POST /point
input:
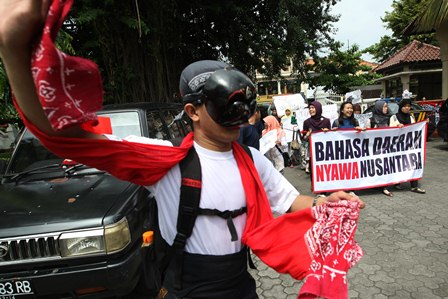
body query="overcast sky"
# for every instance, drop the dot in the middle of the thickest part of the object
(360, 22)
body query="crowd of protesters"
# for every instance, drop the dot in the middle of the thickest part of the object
(381, 118)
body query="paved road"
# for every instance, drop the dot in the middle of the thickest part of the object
(405, 240)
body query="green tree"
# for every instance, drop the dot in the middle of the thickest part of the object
(142, 46)
(403, 12)
(341, 70)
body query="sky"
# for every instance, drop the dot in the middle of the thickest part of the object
(360, 22)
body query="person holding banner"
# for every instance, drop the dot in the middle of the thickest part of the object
(288, 128)
(346, 118)
(380, 119)
(287, 116)
(401, 118)
(381, 116)
(315, 123)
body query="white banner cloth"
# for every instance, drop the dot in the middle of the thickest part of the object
(351, 160)
(268, 141)
(290, 101)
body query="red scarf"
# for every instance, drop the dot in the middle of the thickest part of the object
(281, 242)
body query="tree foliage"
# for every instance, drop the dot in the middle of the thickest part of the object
(142, 46)
(403, 12)
(341, 70)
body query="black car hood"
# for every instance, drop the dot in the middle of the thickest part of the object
(73, 203)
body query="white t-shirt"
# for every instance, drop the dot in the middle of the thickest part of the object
(222, 189)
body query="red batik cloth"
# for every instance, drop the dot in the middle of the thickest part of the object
(282, 243)
(334, 250)
(69, 88)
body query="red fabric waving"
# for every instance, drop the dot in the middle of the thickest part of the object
(75, 82)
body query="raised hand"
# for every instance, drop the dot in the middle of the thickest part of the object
(20, 21)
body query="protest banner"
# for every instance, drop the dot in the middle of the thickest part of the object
(353, 96)
(363, 119)
(268, 141)
(288, 128)
(351, 160)
(290, 101)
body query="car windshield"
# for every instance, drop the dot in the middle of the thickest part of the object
(30, 153)
(124, 123)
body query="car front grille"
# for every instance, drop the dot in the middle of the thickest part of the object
(28, 249)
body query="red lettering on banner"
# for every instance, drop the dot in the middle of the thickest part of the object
(337, 172)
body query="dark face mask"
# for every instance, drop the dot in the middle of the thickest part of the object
(229, 96)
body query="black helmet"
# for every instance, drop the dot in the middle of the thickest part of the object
(229, 94)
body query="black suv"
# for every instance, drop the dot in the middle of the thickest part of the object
(71, 231)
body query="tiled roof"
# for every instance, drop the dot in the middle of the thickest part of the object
(413, 52)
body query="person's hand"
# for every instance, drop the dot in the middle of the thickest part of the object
(359, 129)
(325, 130)
(20, 20)
(400, 125)
(341, 195)
(334, 128)
(308, 133)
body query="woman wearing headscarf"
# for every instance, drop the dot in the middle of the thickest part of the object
(315, 123)
(275, 154)
(401, 118)
(381, 115)
(380, 119)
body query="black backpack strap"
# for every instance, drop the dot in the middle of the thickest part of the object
(190, 195)
(228, 216)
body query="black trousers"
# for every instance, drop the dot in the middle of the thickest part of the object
(208, 276)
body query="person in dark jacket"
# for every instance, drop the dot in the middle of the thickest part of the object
(399, 119)
(250, 134)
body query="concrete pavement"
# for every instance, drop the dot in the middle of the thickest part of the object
(404, 238)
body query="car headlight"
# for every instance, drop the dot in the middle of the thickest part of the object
(111, 239)
(82, 243)
(117, 236)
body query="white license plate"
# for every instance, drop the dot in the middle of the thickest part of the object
(15, 288)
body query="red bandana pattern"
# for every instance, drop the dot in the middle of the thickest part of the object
(59, 77)
(333, 249)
